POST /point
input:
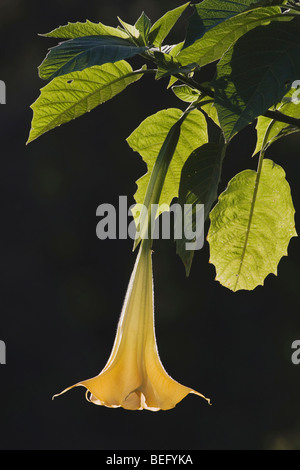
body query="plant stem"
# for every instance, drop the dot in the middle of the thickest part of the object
(278, 116)
(189, 81)
(224, 146)
(275, 115)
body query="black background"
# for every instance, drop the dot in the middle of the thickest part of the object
(62, 289)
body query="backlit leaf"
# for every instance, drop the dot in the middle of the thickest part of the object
(81, 53)
(290, 107)
(148, 140)
(78, 30)
(255, 74)
(68, 97)
(167, 65)
(251, 227)
(143, 25)
(186, 93)
(211, 13)
(164, 25)
(217, 41)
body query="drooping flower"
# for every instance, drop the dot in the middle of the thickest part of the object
(134, 377)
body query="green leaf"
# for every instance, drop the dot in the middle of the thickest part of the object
(251, 227)
(172, 51)
(217, 41)
(168, 65)
(78, 30)
(156, 182)
(81, 53)
(131, 30)
(165, 24)
(278, 130)
(199, 183)
(210, 109)
(148, 140)
(255, 74)
(143, 25)
(68, 97)
(211, 13)
(172, 81)
(191, 95)
(186, 93)
(289, 107)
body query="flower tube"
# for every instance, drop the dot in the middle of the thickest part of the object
(134, 377)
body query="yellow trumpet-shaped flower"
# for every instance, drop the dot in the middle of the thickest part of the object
(134, 377)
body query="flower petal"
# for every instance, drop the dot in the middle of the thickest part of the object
(134, 377)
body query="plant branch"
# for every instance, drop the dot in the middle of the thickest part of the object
(275, 115)
(278, 116)
(189, 81)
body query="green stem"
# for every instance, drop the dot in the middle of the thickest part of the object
(274, 115)
(278, 116)
(224, 146)
(189, 81)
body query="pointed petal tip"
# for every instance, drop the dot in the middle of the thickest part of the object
(58, 394)
(202, 396)
(65, 390)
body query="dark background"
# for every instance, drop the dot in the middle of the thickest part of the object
(62, 289)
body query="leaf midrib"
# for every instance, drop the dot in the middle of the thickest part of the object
(88, 49)
(251, 216)
(86, 97)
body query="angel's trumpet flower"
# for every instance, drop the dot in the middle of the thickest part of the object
(134, 377)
